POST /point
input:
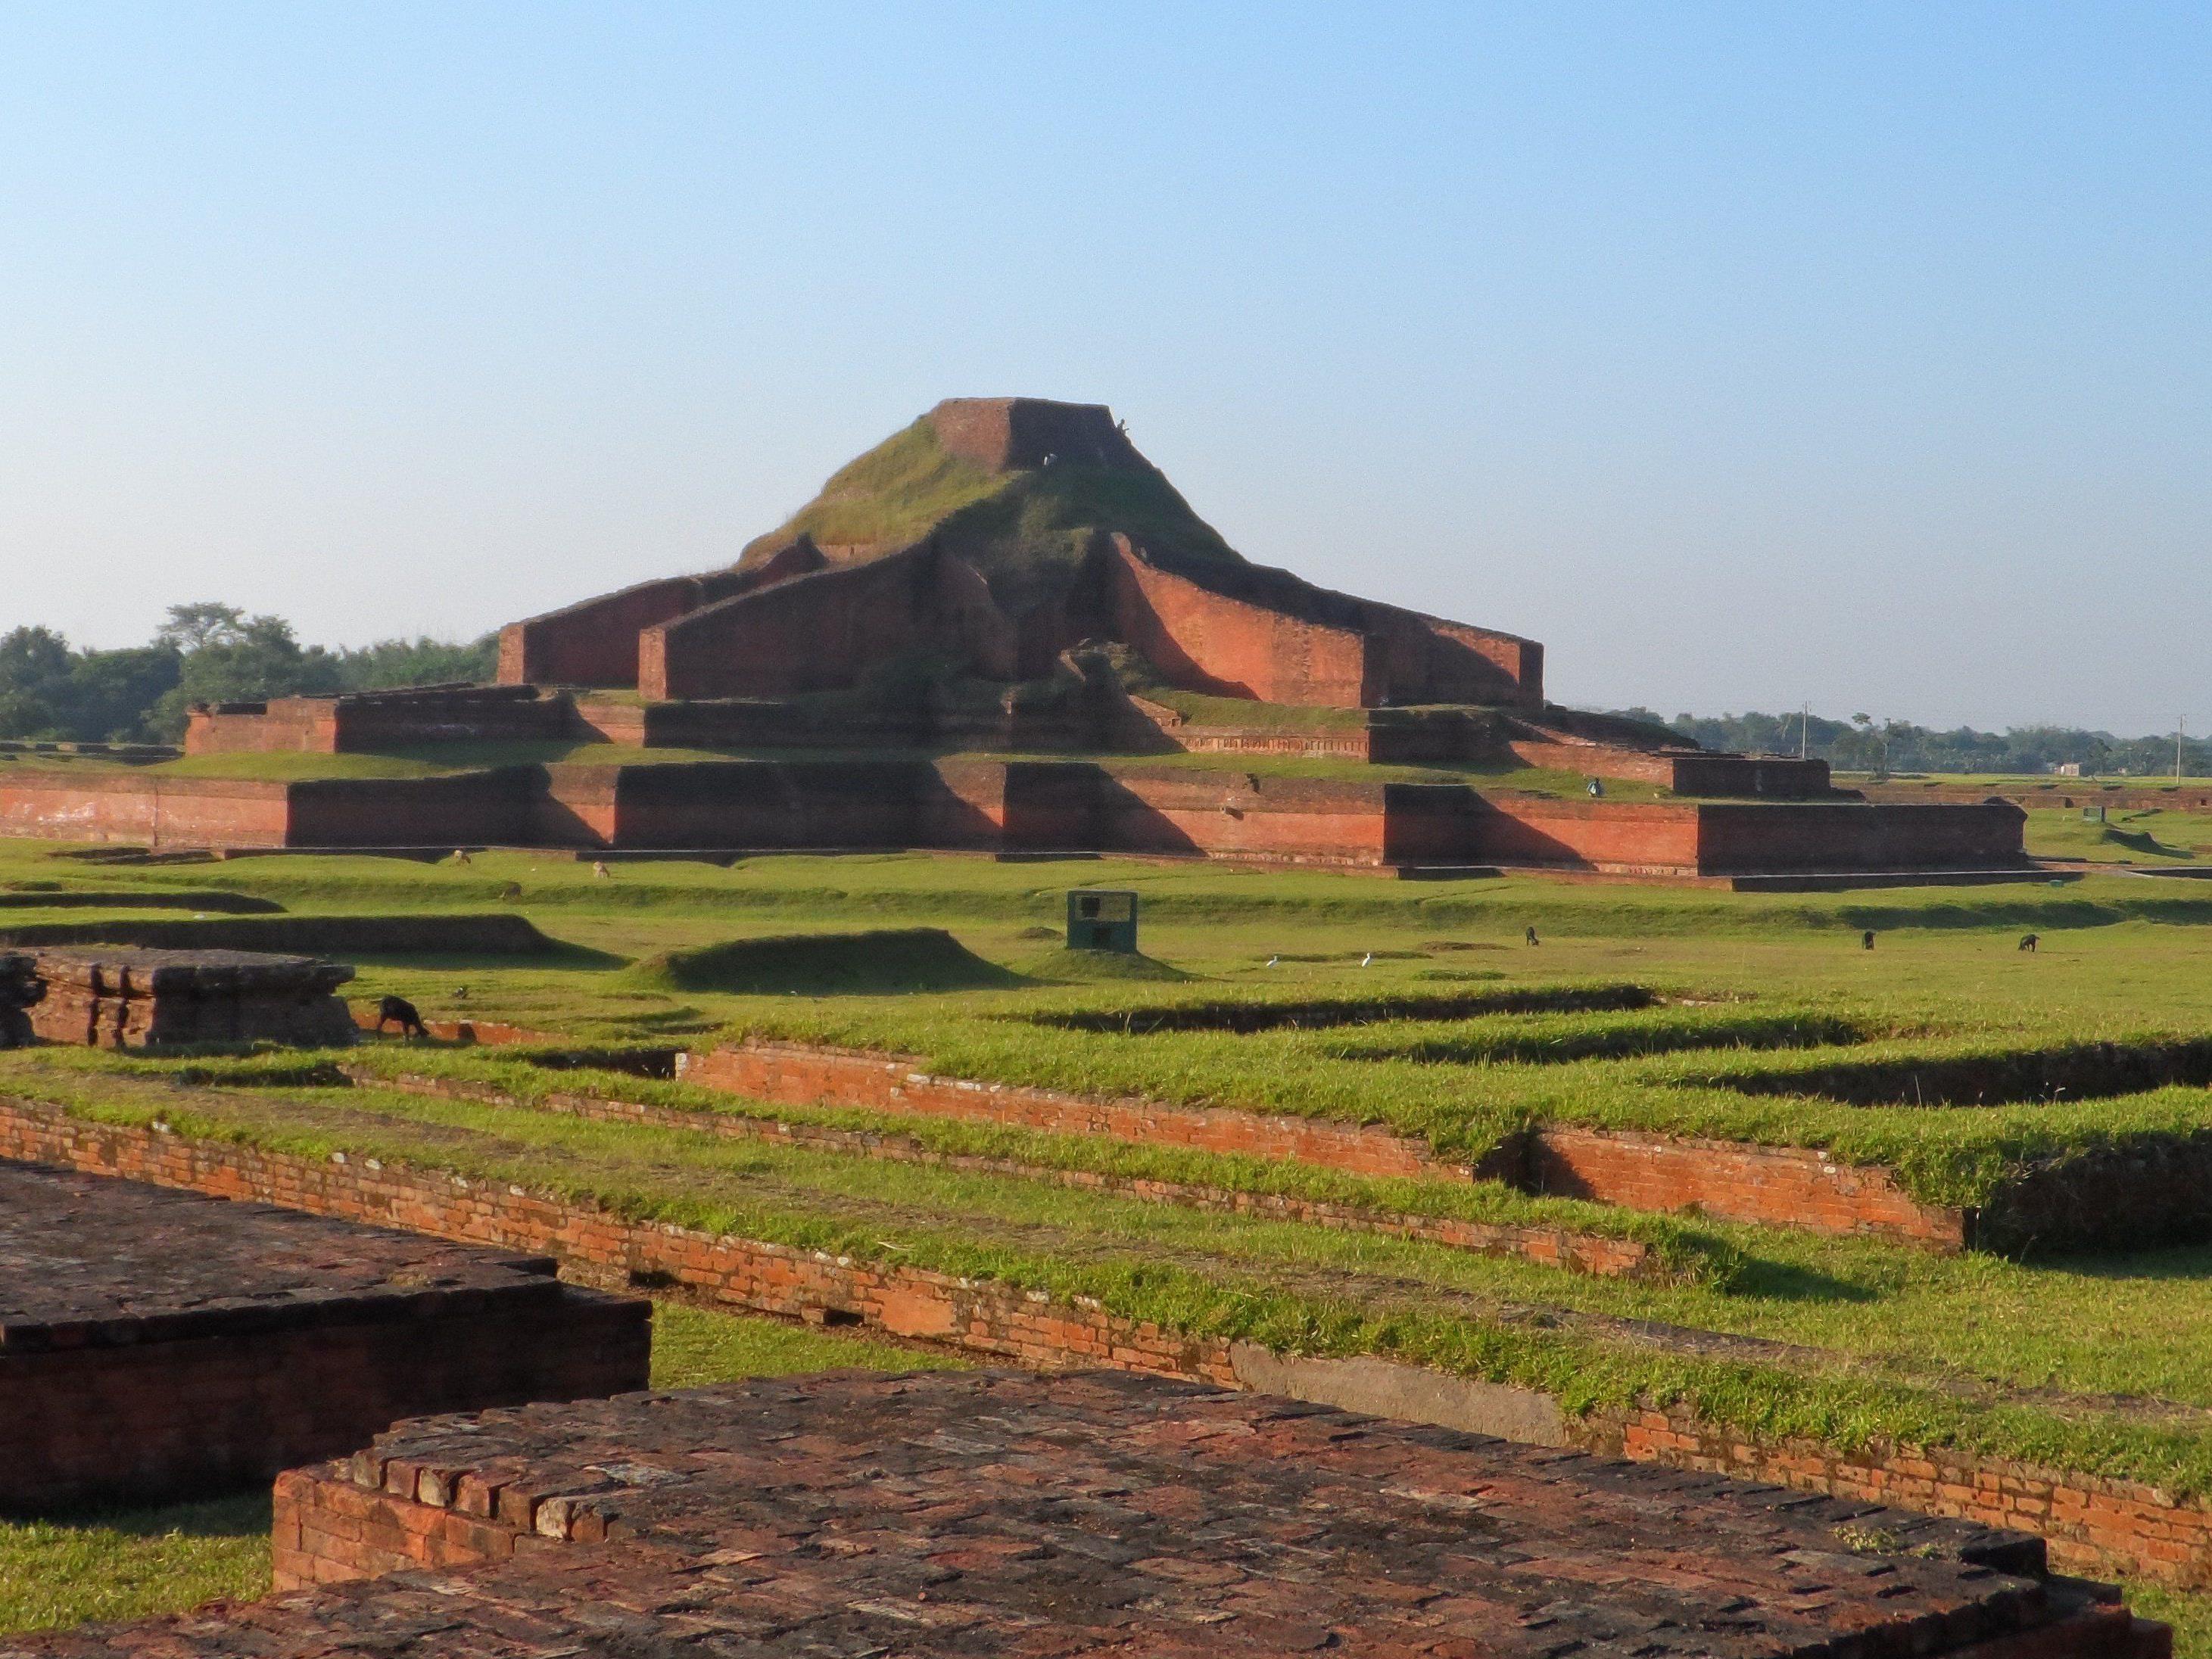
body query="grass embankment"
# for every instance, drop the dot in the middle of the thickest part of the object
(1906, 1332)
(2101, 1365)
(2150, 835)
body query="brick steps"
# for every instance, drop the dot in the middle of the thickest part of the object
(1556, 1247)
(2091, 1522)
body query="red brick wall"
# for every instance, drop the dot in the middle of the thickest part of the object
(473, 809)
(1427, 660)
(1785, 1186)
(151, 1420)
(1793, 1186)
(134, 808)
(594, 642)
(1657, 836)
(1206, 642)
(797, 1074)
(308, 724)
(1240, 813)
(1860, 836)
(828, 631)
(2092, 1522)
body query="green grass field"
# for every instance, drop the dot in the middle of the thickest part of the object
(1945, 1053)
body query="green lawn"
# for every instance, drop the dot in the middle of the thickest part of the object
(1420, 1005)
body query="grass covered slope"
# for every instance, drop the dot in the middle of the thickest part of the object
(1025, 530)
(882, 960)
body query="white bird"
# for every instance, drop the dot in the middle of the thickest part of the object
(1272, 961)
(1366, 959)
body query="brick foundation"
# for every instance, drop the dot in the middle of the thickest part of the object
(156, 1344)
(2092, 1523)
(1046, 806)
(117, 998)
(998, 1485)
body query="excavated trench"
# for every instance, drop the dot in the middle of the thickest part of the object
(1323, 1012)
(1613, 1040)
(2086, 1071)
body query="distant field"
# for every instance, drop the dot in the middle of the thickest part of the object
(1946, 1055)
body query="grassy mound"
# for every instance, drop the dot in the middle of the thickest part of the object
(879, 962)
(1099, 967)
(50, 896)
(1026, 530)
(495, 935)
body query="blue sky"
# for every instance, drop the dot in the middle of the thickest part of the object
(1747, 355)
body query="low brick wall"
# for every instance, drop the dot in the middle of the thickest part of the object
(1554, 1246)
(1785, 1186)
(1780, 1186)
(155, 1420)
(801, 1075)
(2090, 1522)
(600, 1248)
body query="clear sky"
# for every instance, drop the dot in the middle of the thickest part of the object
(1745, 354)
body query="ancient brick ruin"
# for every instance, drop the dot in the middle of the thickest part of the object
(795, 615)
(1018, 1515)
(156, 1343)
(1012, 575)
(114, 997)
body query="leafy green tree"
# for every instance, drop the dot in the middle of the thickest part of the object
(114, 693)
(35, 670)
(389, 664)
(227, 656)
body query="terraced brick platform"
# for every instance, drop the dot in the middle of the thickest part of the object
(1783, 1185)
(1010, 1515)
(155, 1343)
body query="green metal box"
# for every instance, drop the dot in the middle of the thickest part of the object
(1102, 919)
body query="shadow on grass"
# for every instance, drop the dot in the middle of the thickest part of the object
(881, 962)
(1790, 1281)
(246, 1514)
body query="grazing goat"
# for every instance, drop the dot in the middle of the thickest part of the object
(398, 1011)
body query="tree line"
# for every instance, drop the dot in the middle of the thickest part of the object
(1862, 744)
(50, 690)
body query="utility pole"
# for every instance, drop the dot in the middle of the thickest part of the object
(2181, 726)
(1804, 730)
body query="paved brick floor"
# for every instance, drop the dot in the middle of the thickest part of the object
(1014, 1514)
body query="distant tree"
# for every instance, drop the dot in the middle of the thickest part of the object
(35, 669)
(227, 656)
(114, 693)
(391, 663)
(193, 627)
